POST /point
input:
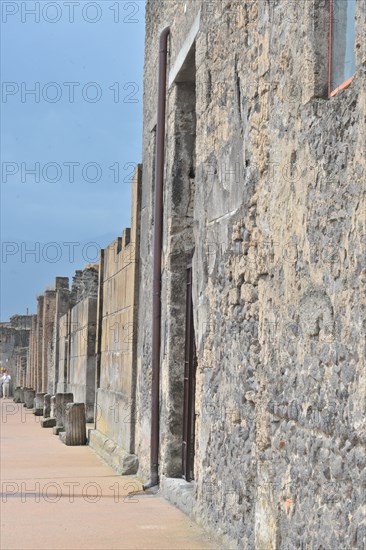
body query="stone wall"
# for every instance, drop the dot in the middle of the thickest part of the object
(14, 342)
(39, 345)
(32, 354)
(21, 322)
(49, 309)
(7, 348)
(81, 374)
(61, 355)
(63, 352)
(74, 339)
(43, 354)
(62, 305)
(264, 194)
(21, 368)
(271, 199)
(116, 378)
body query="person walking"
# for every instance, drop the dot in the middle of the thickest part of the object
(6, 384)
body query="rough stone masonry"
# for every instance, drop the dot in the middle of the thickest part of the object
(265, 188)
(262, 349)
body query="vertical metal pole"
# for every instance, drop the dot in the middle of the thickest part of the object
(158, 235)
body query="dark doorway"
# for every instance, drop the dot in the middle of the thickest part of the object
(190, 363)
(177, 411)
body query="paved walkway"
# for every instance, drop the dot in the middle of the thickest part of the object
(61, 497)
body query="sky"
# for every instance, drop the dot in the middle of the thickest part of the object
(71, 132)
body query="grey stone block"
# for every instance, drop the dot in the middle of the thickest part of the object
(38, 404)
(17, 395)
(29, 396)
(48, 422)
(21, 394)
(123, 462)
(47, 405)
(60, 402)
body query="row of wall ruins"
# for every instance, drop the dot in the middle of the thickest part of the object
(82, 347)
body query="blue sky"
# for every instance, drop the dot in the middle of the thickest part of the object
(67, 150)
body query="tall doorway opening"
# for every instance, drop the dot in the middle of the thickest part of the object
(178, 351)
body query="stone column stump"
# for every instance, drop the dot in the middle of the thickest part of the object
(48, 420)
(38, 404)
(53, 406)
(47, 405)
(75, 425)
(21, 394)
(61, 400)
(17, 394)
(29, 396)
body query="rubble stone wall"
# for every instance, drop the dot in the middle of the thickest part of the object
(278, 230)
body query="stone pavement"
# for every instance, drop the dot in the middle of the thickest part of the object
(61, 497)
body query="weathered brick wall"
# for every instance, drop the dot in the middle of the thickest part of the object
(279, 267)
